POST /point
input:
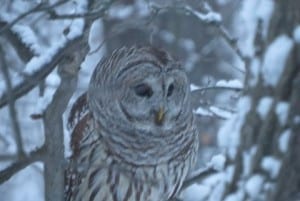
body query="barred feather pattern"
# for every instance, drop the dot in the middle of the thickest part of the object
(115, 156)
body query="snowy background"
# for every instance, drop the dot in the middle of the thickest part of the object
(220, 43)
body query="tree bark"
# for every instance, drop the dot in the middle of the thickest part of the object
(264, 134)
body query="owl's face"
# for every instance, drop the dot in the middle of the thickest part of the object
(139, 96)
(140, 90)
(152, 97)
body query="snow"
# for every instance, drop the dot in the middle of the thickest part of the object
(254, 185)
(53, 79)
(275, 59)
(217, 162)
(229, 133)
(41, 102)
(237, 196)
(213, 111)
(203, 112)
(281, 110)
(213, 179)
(217, 192)
(39, 61)
(284, 139)
(264, 106)
(223, 2)
(254, 71)
(120, 11)
(187, 44)
(251, 11)
(194, 87)
(142, 9)
(28, 37)
(232, 151)
(191, 61)
(210, 17)
(76, 29)
(95, 36)
(196, 192)
(229, 172)
(220, 112)
(45, 38)
(2, 84)
(296, 34)
(269, 186)
(230, 83)
(247, 160)
(28, 182)
(167, 36)
(271, 165)
(247, 18)
(264, 11)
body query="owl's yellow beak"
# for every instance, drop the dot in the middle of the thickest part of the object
(159, 116)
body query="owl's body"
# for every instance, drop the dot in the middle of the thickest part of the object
(136, 138)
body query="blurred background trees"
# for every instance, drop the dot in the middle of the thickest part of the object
(242, 58)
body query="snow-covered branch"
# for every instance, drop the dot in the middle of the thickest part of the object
(38, 8)
(213, 18)
(21, 48)
(43, 70)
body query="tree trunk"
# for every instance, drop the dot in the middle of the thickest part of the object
(264, 136)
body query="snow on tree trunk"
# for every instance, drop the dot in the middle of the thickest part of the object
(262, 140)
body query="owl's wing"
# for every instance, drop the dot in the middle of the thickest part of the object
(81, 127)
(78, 110)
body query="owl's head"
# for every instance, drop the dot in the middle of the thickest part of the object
(143, 88)
(140, 100)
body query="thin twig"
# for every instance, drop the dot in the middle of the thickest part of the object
(33, 80)
(39, 8)
(210, 17)
(22, 163)
(236, 89)
(198, 176)
(233, 43)
(8, 157)
(218, 24)
(11, 105)
(94, 14)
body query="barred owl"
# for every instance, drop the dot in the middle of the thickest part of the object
(133, 133)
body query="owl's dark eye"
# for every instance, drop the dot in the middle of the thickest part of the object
(170, 90)
(143, 90)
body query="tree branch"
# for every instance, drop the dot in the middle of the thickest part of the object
(202, 89)
(54, 136)
(39, 8)
(11, 105)
(215, 20)
(21, 48)
(209, 17)
(22, 163)
(94, 14)
(198, 176)
(8, 157)
(33, 80)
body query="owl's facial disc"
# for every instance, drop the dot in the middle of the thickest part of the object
(154, 101)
